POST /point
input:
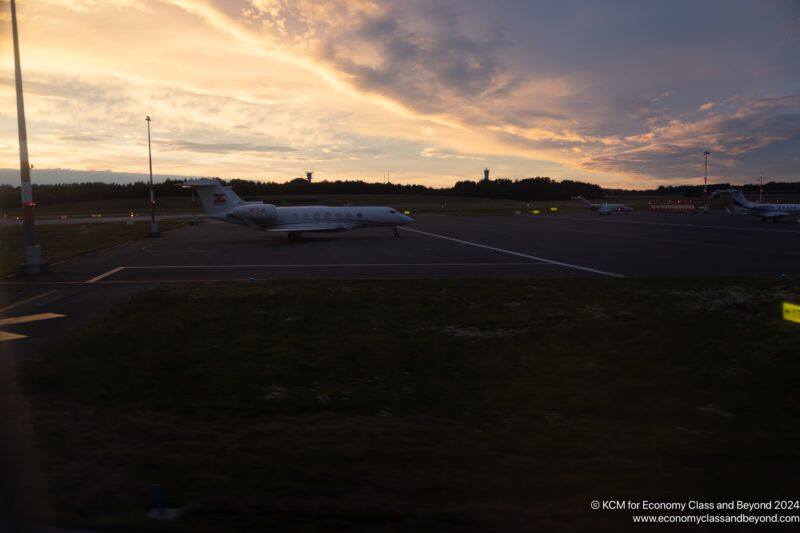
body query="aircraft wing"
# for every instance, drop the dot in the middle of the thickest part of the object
(311, 226)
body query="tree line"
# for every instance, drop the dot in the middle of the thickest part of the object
(537, 189)
(526, 189)
(695, 191)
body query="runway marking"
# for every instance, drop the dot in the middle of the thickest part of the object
(7, 336)
(12, 306)
(501, 250)
(101, 276)
(113, 271)
(28, 318)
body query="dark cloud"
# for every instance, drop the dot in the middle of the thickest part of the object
(427, 69)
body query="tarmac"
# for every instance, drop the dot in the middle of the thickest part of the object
(638, 244)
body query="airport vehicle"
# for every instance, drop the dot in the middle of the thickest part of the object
(603, 208)
(771, 212)
(221, 203)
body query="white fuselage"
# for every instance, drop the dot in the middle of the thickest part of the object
(221, 203)
(273, 218)
(764, 211)
(603, 208)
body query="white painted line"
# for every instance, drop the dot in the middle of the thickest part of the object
(101, 276)
(515, 253)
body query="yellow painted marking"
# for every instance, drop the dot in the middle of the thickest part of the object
(535, 212)
(6, 336)
(26, 301)
(791, 312)
(553, 209)
(28, 318)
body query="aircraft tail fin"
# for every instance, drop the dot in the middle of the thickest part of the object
(740, 200)
(216, 199)
(584, 201)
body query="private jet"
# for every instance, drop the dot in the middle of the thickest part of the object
(772, 212)
(603, 208)
(221, 203)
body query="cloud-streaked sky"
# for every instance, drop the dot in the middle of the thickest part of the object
(623, 94)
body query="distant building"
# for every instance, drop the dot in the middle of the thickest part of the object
(308, 176)
(486, 174)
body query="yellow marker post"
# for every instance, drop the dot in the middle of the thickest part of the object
(553, 209)
(791, 312)
(535, 211)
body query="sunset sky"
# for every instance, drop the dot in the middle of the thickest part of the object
(623, 94)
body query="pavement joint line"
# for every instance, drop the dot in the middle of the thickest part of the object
(518, 254)
(329, 265)
(23, 302)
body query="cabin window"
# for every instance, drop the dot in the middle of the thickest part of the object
(305, 215)
(327, 216)
(359, 215)
(316, 216)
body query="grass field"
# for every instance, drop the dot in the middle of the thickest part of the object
(419, 405)
(59, 242)
(414, 203)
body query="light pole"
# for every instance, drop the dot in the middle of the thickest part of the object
(153, 224)
(33, 255)
(705, 183)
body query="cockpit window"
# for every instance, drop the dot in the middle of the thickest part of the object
(392, 211)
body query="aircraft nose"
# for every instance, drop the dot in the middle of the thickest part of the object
(405, 219)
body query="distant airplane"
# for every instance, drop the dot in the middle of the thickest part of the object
(221, 203)
(771, 212)
(603, 208)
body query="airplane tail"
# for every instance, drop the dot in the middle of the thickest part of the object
(216, 199)
(740, 201)
(584, 201)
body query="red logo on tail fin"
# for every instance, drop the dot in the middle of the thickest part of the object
(219, 198)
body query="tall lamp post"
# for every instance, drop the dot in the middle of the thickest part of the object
(153, 224)
(33, 255)
(705, 183)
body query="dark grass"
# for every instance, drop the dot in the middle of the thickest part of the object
(420, 405)
(60, 242)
